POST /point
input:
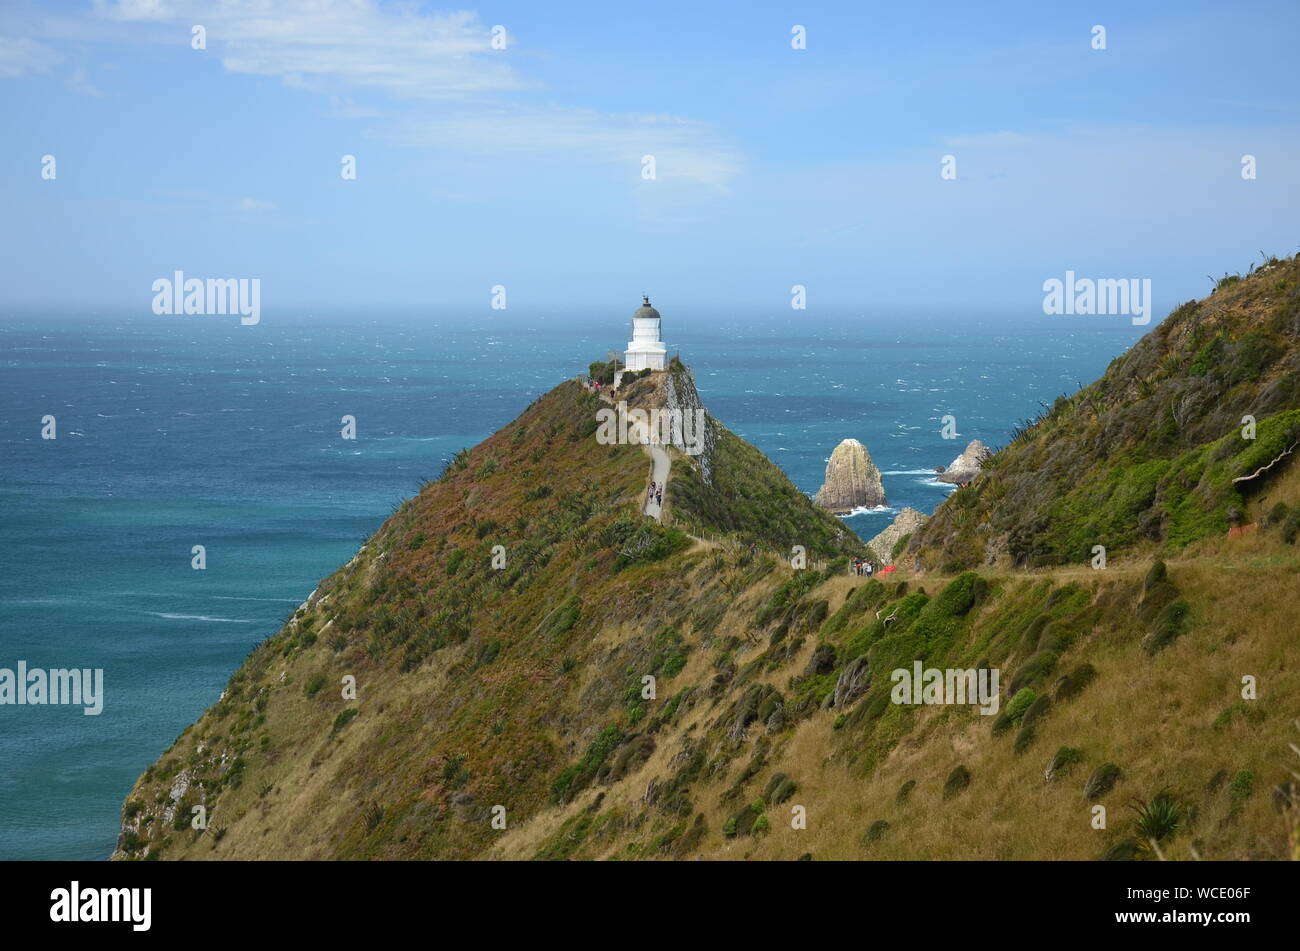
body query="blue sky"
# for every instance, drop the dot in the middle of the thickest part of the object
(522, 166)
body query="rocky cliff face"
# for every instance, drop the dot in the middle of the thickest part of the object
(852, 480)
(905, 523)
(674, 391)
(966, 466)
(681, 396)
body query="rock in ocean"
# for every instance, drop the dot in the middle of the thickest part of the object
(852, 480)
(966, 466)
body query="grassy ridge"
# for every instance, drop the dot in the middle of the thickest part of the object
(475, 685)
(1148, 453)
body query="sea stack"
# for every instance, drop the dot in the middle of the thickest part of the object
(904, 524)
(852, 480)
(966, 466)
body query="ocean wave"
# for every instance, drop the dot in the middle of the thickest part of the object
(200, 617)
(864, 510)
(231, 597)
(909, 472)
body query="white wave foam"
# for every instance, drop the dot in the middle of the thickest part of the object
(864, 510)
(200, 617)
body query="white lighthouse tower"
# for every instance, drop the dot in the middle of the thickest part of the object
(645, 350)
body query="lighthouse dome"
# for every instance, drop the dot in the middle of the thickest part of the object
(645, 311)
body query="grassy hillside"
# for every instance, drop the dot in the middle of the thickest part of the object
(475, 686)
(1146, 456)
(1159, 688)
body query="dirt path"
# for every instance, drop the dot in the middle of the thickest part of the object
(660, 464)
(659, 468)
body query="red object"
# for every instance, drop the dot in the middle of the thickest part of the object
(887, 569)
(1238, 530)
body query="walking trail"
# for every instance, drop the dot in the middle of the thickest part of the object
(660, 465)
(659, 474)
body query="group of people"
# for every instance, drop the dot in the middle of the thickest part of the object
(863, 567)
(656, 494)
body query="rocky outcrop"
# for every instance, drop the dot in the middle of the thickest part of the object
(852, 480)
(676, 414)
(966, 466)
(681, 397)
(905, 523)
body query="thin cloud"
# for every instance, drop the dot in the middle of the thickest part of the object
(79, 82)
(459, 93)
(253, 206)
(329, 43)
(683, 150)
(20, 56)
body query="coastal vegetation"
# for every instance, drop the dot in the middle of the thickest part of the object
(519, 665)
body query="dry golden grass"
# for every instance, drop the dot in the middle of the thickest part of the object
(1154, 716)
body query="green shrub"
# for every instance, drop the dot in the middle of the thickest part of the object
(779, 789)
(875, 832)
(1125, 850)
(957, 780)
(603, 371)
(1019, 703)
(488, 652)
(1291, 527)
(1242, 785)
(1029, 722)
(573, 779)
(1159, 818)
(1065, 758)
(454, 773)
(1073, 683)
(1033, 671)
(314, 685)
(1102, 780)
(454, 560)
(1171, 623)
(562, 618)
(343, 719)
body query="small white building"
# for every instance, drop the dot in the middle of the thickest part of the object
(645, 350)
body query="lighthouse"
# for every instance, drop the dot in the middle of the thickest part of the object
(645, 351)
